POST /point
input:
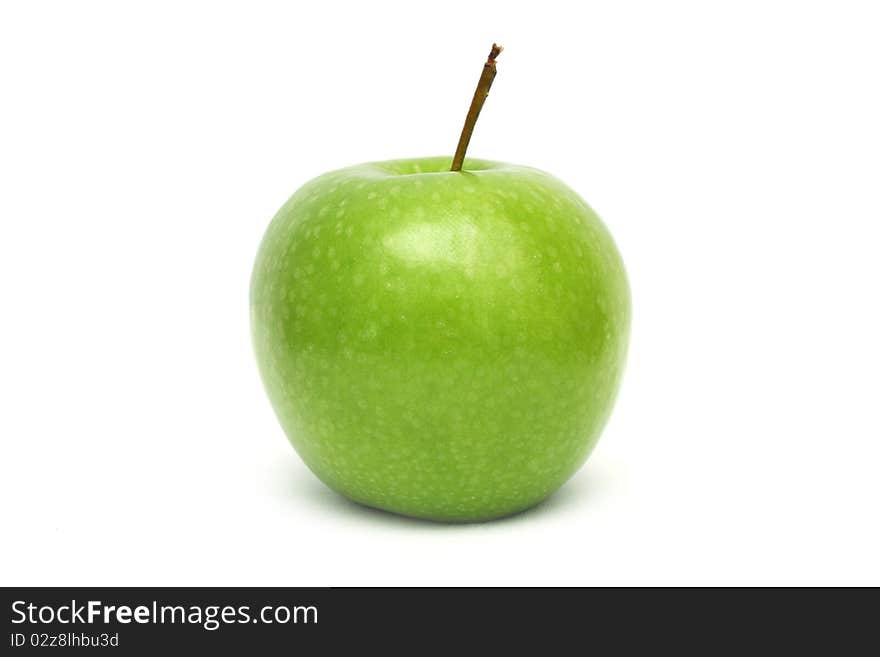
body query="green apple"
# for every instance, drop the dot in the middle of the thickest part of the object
(440, 344)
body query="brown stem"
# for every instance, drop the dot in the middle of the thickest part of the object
(476, 105)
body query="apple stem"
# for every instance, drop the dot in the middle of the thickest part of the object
(480, 94)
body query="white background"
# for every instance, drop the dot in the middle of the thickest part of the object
(732, 148)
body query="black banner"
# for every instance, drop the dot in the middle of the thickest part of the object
(324, 621)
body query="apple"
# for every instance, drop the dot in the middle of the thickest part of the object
(440, 344)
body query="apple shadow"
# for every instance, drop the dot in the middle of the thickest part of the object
(297, 484)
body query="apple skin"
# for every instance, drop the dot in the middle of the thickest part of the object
(444, 345)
